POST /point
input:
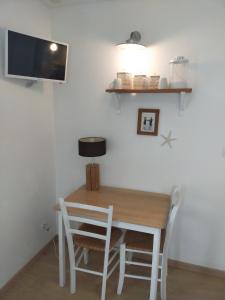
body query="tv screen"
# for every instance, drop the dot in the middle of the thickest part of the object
(35, 58)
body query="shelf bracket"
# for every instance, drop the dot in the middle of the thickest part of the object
(182, 102)
(117, 102)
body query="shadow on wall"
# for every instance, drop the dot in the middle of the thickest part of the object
(37, 87)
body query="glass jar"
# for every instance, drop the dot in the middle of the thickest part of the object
(140, 82)
(178, 72)
(126, 80)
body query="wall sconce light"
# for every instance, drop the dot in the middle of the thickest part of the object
(133, 57)
(135, 38)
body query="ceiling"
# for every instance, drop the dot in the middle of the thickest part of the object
(58, 3)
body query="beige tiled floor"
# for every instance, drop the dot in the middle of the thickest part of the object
(40, 282)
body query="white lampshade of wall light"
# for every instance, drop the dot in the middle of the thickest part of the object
(133, 58)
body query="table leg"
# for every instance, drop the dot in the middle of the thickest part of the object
(155, 265)
(61, 239)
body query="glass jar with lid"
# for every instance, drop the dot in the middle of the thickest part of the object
(179, 72)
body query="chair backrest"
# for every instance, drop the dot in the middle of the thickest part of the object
(175, 204)
(175, 196)
(72, 214)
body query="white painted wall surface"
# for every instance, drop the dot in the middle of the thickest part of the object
(27, 172)
(191, 28)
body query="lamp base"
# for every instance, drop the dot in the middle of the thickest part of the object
(92, 177)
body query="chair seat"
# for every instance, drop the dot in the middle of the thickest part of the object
(142, 241)
(96, 244)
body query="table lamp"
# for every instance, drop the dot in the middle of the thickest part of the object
(92, 147)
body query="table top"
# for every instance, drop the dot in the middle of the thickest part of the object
(130, 206)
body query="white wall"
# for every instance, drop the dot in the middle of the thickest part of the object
(176, 27)
(27, 172)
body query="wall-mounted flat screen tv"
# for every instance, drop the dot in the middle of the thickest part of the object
(33, 58)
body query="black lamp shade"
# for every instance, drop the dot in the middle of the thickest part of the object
(92, 146)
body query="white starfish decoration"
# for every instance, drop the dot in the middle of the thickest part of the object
(168, 139)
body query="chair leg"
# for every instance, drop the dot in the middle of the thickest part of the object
(72, 281)
(85, 256)
(105, 273)
(122, 269)
(166, 268)
(163, 287)
(104, 279)
(163, 279)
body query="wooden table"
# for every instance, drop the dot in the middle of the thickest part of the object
(135, 210)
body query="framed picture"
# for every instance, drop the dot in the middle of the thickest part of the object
(148, 121)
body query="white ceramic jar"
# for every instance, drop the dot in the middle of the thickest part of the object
(178, 72)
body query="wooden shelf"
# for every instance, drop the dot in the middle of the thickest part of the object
(182, 93)
(150, 91)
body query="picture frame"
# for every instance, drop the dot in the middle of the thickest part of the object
(148, 121)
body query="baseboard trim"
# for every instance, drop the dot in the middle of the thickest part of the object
(196, 268)
(7, 286)
(172, 263)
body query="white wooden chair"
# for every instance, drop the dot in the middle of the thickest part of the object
(136, 242)
(94, 234)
